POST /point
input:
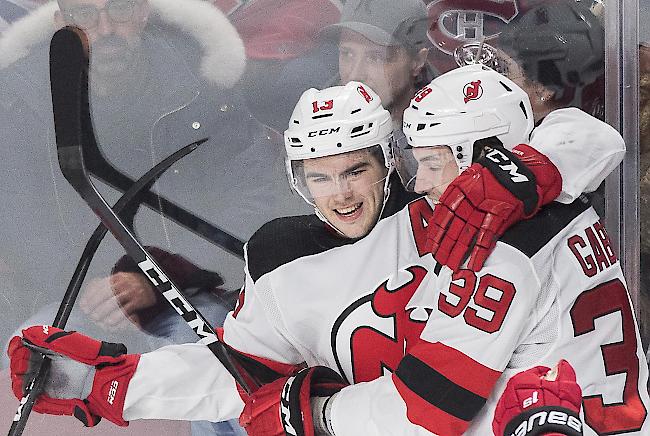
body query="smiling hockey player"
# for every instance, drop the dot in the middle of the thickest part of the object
(364, 307)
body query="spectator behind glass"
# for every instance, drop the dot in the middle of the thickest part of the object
(161, 77)
(558, 51)
(383, 43)
(293, 45)
(285, 54)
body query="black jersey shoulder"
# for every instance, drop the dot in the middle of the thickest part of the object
(529, 236)
(285, 239)
(288, 238)
(398, 198)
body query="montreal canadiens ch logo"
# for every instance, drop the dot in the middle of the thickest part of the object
(473, 91)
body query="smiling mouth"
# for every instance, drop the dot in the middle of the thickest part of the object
(348, 212)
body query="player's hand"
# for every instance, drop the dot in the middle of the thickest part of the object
(540, 390)
(490, 196)
(88, 379)
(114, 302)
(284, 406)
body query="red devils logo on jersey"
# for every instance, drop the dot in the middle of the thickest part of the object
(473, 91)
(364, 93)
(375, 332)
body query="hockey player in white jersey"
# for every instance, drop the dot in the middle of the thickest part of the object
(552, 288)
(314, 300)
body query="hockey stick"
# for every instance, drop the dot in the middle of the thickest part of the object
(100, 167)
(73, 129)
(144, 183)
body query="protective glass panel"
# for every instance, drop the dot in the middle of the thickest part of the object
(168, 73)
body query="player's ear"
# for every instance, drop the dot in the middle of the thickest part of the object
(544, 94)
(418, 61)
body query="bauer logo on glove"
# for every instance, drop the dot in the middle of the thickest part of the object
(540, 401)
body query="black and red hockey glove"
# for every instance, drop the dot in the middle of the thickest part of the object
(486, 199)
(540, 402)
(88, 379)
(283, 407)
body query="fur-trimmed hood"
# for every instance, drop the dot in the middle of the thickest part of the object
(223, 56)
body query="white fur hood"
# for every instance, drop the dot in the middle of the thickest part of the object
(223, 56)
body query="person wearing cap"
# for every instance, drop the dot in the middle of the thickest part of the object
(383, 44)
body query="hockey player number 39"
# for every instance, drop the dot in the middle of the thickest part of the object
(493, 294)
(619, 358)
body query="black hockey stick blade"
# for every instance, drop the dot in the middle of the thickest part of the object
(142, 184)
(73, 128)
(100, 167)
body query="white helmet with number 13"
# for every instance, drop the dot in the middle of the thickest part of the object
(341, 120)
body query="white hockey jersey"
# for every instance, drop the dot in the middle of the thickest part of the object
(424, 351)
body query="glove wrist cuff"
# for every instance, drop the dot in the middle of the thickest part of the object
(545, 420)
(548, 177)
(110, 387)
(513, 175)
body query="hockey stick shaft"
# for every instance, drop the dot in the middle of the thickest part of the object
(208, 231)
(73, 129)
(143, 184)
(102, 168)
(72, 167)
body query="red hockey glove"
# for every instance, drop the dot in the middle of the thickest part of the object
(283, 407)
(494, 193)
(87, 378)
(540, 402)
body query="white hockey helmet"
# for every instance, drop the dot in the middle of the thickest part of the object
(332, 121)
(460, 107)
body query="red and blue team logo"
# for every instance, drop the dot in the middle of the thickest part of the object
(473, 91)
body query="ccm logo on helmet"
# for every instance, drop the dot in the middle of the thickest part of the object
(472, 91)
(506, 164)
(554, 420)
(323, 132)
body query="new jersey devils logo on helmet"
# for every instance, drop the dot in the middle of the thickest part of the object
(364, 93)
(372, 335)
(472, 91)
